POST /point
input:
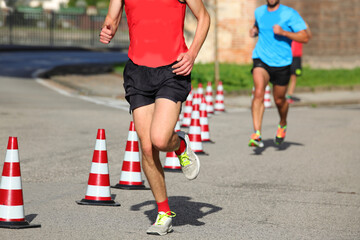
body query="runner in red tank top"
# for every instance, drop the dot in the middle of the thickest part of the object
(149, 45)
(157, 81)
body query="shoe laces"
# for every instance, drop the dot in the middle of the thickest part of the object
(184, 159)
(162, 217)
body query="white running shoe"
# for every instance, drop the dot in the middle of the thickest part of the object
(162, 225)
(190, 163)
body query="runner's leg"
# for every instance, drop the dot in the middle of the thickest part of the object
(282, 105)
(292, 85)
(162, 133)
(261, 79)
(155, 125)
(150, 156)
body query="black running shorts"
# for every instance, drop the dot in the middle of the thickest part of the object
(296, 68)
(278, 75)
(145, 84)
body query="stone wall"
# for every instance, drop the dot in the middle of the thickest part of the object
(234, 20)
(336, 32)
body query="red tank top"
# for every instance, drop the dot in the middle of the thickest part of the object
(156, 30)
(296, 49)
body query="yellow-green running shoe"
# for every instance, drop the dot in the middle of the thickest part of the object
(162, 225)
(190, 163)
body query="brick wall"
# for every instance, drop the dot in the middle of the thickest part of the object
(336, 31)
(335, 25)
(234, 20)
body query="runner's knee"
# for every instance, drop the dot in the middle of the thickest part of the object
(259, 95)
(160, 141)
(280, 100)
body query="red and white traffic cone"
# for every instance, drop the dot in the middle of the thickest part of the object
(177, 126)
(172, 163)
(130, 177)
(204, 123)
(209, 99)
(200, 90)
(195, 131)
(267, 97)
(186, 120)
(11, 196)
(196, 99)
(181, 117)
(98, 190)
(219, 99)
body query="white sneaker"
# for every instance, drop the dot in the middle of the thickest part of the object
(162, 225)
(190, 163)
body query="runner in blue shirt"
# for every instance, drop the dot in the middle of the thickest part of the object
(277, 26)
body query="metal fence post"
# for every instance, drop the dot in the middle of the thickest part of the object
(11, 19)
(52, 26)
(92, 26)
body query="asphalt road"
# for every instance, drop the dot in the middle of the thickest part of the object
(307, 189)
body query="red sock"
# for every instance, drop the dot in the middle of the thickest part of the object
(182, 147)
(164, 207)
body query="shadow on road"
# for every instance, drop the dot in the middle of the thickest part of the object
(187, 212)
(30, 217)
(270, 143)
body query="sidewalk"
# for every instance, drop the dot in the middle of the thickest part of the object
(111, 86)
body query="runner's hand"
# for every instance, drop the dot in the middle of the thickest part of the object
(254, 32)
(106, 34)
(184, 65)
(278, 30)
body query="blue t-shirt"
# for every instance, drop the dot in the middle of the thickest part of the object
(275, 50)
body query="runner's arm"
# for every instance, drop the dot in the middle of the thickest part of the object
(186, 60)
(254, 31)
(308, 31)
(300, 36)
(112, 21)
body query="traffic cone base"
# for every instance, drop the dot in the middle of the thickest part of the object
(18, 225)
(98, 202)
(130, 186)
(201, 153)
(172, 170)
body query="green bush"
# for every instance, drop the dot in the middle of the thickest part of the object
(234, 77)
(329, 78)
(238, 78)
